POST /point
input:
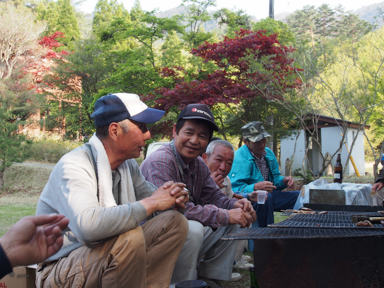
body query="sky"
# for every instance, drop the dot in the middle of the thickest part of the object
(257, 8)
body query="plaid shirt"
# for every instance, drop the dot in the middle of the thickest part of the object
(262, 164)
(212, 204)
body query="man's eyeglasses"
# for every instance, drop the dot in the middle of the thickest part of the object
(141, 126)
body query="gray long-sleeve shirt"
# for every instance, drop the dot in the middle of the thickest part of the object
(72, 190)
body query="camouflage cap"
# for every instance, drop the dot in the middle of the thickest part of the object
(254, 131)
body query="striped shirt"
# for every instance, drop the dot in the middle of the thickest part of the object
(211, 208)
(262, 164)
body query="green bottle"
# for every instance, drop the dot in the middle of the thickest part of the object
(254, 283)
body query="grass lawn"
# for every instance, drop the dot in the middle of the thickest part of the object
(10, 214)
(18, 198)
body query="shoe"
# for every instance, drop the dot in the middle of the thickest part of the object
(210, 282)
(247, 258)
(235, 277)
(242, 265)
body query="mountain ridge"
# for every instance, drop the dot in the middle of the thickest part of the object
(366, 12)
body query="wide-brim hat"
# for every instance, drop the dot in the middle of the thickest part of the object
(198, 111)
(119, 106)
(254, 131)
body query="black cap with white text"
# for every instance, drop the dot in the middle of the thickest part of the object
(198, 111)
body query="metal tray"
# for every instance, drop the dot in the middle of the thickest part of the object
(352, 208)
(325, 196)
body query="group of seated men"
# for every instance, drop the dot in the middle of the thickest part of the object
(161, 223)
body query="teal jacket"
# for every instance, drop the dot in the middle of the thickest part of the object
(245, 173)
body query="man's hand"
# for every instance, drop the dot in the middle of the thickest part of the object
(168, 195)
(237, 196)
(247, 208)
(218, 178)
(264, 185)
(253, 196)
(288, 181)
(182, 196)
(377, 186)
(238, 216)
(33, 239)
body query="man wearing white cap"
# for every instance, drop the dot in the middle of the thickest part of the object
(102, 192)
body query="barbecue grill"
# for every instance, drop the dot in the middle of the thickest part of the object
(321, 250)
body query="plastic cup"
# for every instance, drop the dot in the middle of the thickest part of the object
(261, 196)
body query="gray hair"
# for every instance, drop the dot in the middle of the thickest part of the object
(103, 131)
(214, 143)
(124, 125)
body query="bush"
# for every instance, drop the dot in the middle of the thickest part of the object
(51, 149)
(307, 177)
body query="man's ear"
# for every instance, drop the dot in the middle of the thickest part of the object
(113, 130)
(205, 157)
(174, 134)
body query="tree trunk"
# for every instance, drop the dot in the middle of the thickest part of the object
(2, 178)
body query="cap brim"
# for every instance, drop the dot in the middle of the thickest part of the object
(259, 137)
(149, 115)
(215, 127)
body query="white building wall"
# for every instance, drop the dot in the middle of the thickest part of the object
(331, 137)
(330, 141)
(287, 150)
(357, 152)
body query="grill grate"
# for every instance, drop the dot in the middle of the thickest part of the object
(335, 219)
(338, 224)
(295, 233)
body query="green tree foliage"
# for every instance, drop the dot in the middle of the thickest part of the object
(272, 26)
(350, 26)
(48, 11)
(67, 23)
(197, 14)
(302, 23)
(172, 51)
(93, 66)
(13, 145)
(325, 21)
(138, 68)
(233, 21)
(136, 11)
(105, 12)
(319, 25)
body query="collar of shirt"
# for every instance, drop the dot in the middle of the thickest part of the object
(262, 155)
(184, 166)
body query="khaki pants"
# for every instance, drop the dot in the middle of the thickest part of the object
(204, 243)
(142, 257)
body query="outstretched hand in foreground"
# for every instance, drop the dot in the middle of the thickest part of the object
(33, 239)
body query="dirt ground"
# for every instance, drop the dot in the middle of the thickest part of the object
(245, 280)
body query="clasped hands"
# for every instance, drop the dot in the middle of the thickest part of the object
(171, 194)
(242, 213)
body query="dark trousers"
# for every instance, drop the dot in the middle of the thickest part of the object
(276, 201)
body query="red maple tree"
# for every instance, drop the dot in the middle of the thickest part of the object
(43, 64)
(234, 80)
